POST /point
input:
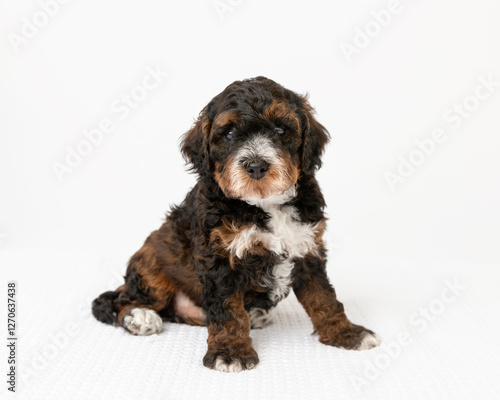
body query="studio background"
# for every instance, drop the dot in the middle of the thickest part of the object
(393, 241)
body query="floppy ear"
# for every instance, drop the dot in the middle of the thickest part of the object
(315, 137)
(194, 145)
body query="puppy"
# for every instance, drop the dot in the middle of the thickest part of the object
(248, 232)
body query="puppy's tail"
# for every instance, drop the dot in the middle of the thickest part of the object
(104, 308)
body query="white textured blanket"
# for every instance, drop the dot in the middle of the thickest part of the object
(439, 342)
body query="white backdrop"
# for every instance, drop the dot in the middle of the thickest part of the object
(394, 91)
(409, 90)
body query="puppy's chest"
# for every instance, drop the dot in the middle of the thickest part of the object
(287, 238)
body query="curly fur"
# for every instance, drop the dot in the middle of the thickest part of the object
(235, 243)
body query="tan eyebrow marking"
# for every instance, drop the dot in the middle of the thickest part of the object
(226, 118)
(279, 110)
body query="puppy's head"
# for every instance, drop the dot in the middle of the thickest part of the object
(256, 139)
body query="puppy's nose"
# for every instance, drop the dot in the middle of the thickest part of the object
(257, 169)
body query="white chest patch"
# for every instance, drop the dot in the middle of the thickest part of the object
(290, 239)
(287, 237)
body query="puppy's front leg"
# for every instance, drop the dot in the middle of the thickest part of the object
(317, 296)
(229, 344)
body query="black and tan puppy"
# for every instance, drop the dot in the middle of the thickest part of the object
(248, 232)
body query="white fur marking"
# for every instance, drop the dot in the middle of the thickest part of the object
(277, 199)
(259, 317)
(280, 280)
(243, 241)
(142, 321)
(287, 237)
(258, 147)
(222, 366)
(369, 341)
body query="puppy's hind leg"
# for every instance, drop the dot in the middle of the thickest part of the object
(147, 294)
(135, 316)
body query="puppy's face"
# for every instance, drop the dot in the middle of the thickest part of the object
(255, 150)
(255, 139)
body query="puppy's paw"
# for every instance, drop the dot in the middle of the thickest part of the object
(369, 341)
(142, 321)
(259, 317)
(350, 337)
(224, 366)
(223, 362)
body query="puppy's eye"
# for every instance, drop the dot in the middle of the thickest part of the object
(229, 134)
(279, 130)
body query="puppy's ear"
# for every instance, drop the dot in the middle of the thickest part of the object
(194, 144)
(314, 139)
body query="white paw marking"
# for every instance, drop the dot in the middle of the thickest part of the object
(223, 366)
(259, 317)
(142, 321)
(369, 341)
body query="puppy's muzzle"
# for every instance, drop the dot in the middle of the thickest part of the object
(257, 169)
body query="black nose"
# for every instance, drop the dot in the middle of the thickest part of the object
(257, 169)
